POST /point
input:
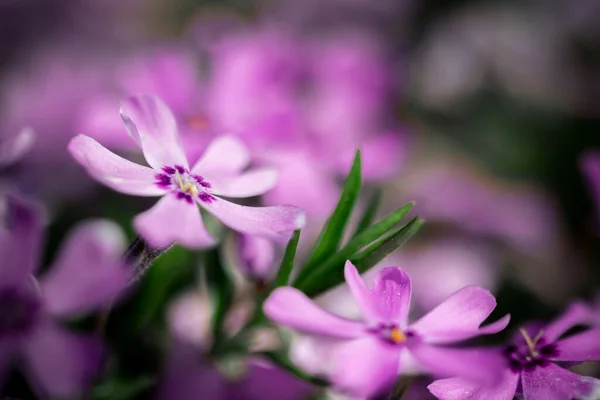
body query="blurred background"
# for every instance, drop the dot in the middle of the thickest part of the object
(485, 113)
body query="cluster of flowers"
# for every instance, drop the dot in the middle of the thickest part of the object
(367, 356)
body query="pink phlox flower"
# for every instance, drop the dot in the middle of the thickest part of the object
(533, 364)
(86, 276)
(219, 172)
(374, 351)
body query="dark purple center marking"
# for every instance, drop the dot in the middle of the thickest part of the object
(391, 333)
(532, 353)
(184, 185)
(19, 311)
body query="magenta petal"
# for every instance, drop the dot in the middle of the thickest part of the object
(290, 307)
(276, 222)
(364, 367)
(552, 382)
(462, 389)
(391, 294)
(583, 346)
(152, 125)
(248, 184)
(87, 273)
(459, 317)
(13, 148)
(576, 313)
(225, 157)
(60, 363)
(173, 220)
(480, 365)
(361, 293)
(115, 172)
(257, 256)
(20, 241)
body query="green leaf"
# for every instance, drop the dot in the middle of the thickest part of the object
(285, 269)
(370, 211)
(376, 252)
(331, 235)
(330, 272)
(120, 389)
(221, 285)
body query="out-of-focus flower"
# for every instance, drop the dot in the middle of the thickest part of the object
(533, 369)
(12, 149)
(375, 351)
(176, 216)
(85, 276)
(257, 256)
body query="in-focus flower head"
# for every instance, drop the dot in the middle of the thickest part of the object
(375, 351)
(85, 276)
(533, 364)
(219, 172)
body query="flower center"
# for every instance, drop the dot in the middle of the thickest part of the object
(19, 311)
(390, 333)
(534, 352)
(184, 185)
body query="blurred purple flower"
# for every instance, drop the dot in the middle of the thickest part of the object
(257, 257)
(533, 368)
(85, 276)
(176, 216)
(375, 351)
(13, 148)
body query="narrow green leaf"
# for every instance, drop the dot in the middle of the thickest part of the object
(386, 245)
(333, 232)
(285, 269)
(330, 272)
(222, 286)
(369, 214)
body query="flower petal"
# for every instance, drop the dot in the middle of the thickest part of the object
(583, 346)
(459, 317)
(13, 148)
(552, 382)
(87, 274)
(576, 313)
(20, 241)
(365, 367)
(248, 184)
(60, 363)
(152, 125)
(391, 294)
(462, 389)
(276, 222)
(361, 293)
(257, 256)
(173, 220)
(115, 172)
(290, 307)
(480, 365)
(226, 156)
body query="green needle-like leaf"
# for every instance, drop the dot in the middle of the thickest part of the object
(330, 272)
(370, 212)
(331, 235)
(287, 264)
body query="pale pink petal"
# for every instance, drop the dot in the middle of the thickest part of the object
(115, 172)
(584, 346)
(226, 156)
(87, 273)
(292, 308)
(173, 220)
(391, 295)
(60, 363)
(251, 183)
(276, 222)
(257, 256)
(365, 367)
(462, 389)
(20, 241)
(361, 293)
(481, 365)
(459, 317)
(552, 382)
(13, 148)
(152, 125)
(576, 313)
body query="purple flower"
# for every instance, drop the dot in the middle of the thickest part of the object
(532, 364)
(84, 277)
(219, 172)
(257, 257)
(13, 148)
(384, 344)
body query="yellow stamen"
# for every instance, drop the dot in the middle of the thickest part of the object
(198, 122)
(531, 342)
(397, 336)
